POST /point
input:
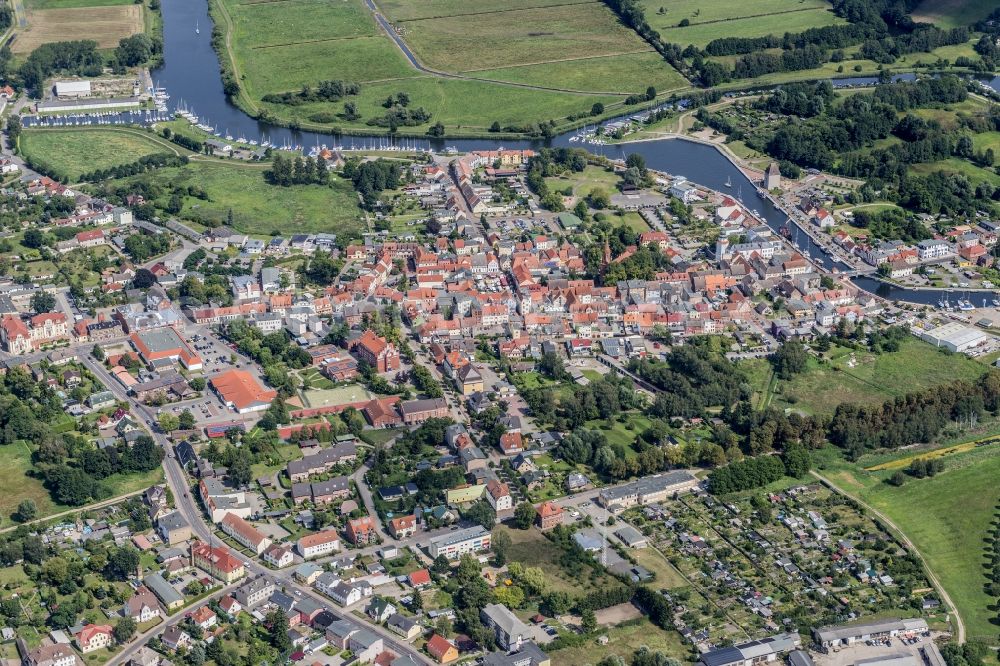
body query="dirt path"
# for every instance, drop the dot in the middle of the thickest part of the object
(899, 534)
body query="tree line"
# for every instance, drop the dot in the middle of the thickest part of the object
(325, 91)
(298, 170)
(915, 417)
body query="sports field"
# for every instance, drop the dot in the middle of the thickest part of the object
(335, 396)
(947, 517)
(952, 13)
(79, 150)
(105, 25)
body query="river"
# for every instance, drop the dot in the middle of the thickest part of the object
(190, 74)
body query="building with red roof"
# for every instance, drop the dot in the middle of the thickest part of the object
(217, 561)
(420, 578)
(362, 531)
(244, 533)
(549, 516)
(403, 526)
(443, 650)
(376, 351)
(164, 344)
(94, 637)
(241, 391)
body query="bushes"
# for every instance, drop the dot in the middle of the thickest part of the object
(746, 474)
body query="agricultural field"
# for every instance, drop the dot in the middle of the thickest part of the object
(622, 74)
(77, 151)
(860, 377)
(756, 18)
(946, 517)
(520, 37)
(69, 4)
(952, 13)
(533, 61)
(105, 25)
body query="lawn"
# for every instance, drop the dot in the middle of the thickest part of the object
(623, 640)
(952, 13)
(76, 151)
(622, 434)
(584, 182)
(947, 517)
(336, 396)
(630, 73)
(874, 378)
(256, 206)
(666, 575)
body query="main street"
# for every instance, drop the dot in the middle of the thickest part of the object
(192, 513)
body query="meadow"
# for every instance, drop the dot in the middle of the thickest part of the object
(955, 165)
(947, 517)
(874, 378)
(69, 4)
(521, 37)
(106, 25)
(700, 34)
(533, 61)
(78, 150)
(459, 104)
(952, 13)
(16, 469)
(258, 207)
(622, 74)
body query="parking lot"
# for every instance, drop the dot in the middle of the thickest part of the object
(851, 654)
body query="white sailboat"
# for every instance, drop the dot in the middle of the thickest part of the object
(197, 30)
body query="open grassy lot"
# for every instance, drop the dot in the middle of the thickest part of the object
(631, 73)
(105, 25)
(947, 517)
(623, 640)
(261, 25)
(457, 103)
(67, 4)
(952, 13)
(258, 207)
(974, 173)
(408, 10)
(15, 465)
(584, 182)
(873, 378)
(520, 36)
(701, 34)
(76, 151)
(534, 550)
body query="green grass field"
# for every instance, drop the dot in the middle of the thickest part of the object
(520, 37)
(15, 465)
(534, 550)
(542, 60)
(947, 517)
(480, 103)
(73, 4)
(77, 151)
(631, 73)
(258, 207)
(952, 13)
(623, 641)
(974, 173)
(701, 34)
(874, 378)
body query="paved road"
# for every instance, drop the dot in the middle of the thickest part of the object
(186, 505)
(901, 535)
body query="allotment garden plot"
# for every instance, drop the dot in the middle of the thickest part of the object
(803, 555)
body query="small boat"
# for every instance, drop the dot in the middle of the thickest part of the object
(197, 30)
(729, 182)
